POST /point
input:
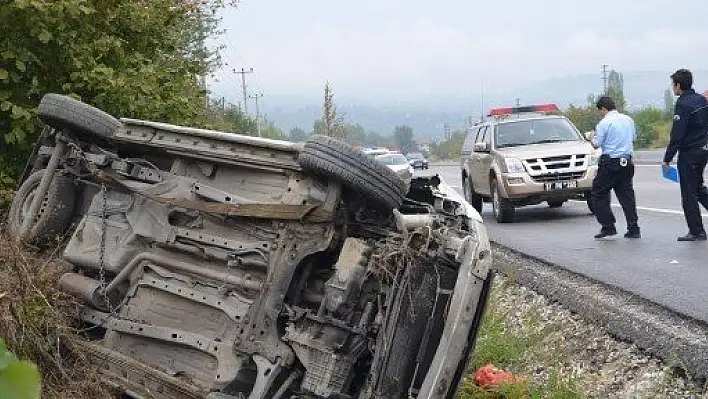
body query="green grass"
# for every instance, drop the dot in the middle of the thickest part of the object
(515, 342)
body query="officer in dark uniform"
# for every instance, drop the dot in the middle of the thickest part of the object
(689, 136)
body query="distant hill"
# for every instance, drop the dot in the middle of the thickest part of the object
(427, 118)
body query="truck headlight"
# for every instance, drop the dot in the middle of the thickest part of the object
(594, 159)
(514, 165)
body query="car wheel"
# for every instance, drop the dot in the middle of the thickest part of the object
(64, 112)
(354, 169)
(503, 208)
(471, 196)
(556, 203)
(54, 213)
(588, 200)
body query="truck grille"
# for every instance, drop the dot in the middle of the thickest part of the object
(555, 163)
(557, 177)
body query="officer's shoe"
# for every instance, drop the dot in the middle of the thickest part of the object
(693, 237)
(606, 232)
(633, 234)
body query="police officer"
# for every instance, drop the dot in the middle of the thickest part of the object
(688, 138)
(615, 135)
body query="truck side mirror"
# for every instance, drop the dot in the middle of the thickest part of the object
(481, 147)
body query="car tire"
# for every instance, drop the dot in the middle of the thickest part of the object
(502, 208)
(335, 159)
(471, 196)
(54, 214)
(62, 112)
(588, 200)
(556, 203)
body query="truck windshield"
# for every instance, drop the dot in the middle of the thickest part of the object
(537, 131)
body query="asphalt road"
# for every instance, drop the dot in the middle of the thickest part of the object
(656, 267)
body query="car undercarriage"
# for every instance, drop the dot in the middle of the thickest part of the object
(218, 265)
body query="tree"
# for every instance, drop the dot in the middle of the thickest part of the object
(131, 58)
(229, 118)
(669, 103)
(297, 134)
(615, 89)
(646, 122)
(403, 136)
(333, 123)
(584, 118)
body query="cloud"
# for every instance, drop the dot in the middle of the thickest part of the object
(413, 49)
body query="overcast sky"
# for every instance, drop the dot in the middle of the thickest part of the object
(382, 50)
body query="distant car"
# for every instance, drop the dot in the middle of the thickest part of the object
(376, 151)
(417, 160)
(399, 164)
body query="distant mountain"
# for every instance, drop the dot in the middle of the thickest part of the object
(428, 117)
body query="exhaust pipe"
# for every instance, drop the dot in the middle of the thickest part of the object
(84, 288)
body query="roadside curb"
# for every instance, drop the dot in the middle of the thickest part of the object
(674, 338)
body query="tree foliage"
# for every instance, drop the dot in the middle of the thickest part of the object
(403, 136)
(19, 379)
(297, 134)
(131, 58)
(331, 124)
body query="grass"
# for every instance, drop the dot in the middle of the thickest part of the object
(515, 342)
(36, 323)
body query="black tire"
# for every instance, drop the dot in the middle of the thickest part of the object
(62, 112)
(54, 214)
(471, 196)
(357, 171)
(502, 208)
(556, 203)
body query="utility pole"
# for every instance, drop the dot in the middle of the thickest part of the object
(258, 113)
(518, 102)
(604, 78)
(243, 73)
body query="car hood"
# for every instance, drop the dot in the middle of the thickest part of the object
(547, 150)
(398, 168)
(450, 193)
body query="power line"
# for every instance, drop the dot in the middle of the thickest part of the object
(243, 73)
(604, 78)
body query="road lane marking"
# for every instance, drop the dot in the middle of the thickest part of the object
(650, 209)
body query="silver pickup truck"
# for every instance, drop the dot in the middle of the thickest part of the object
(219, 265)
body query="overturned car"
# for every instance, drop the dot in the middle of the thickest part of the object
(218, 265)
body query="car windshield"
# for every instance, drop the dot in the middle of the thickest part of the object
(537, 131)
(392, 159)
(415, 155)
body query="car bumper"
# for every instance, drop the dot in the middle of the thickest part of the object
(522, 185)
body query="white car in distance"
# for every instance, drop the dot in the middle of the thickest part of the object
(399, 164)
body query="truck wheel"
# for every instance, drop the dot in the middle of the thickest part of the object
(54, 214)
(64, 112)
(502, 207)
(357, 171)
(471, 196)
(556, 203)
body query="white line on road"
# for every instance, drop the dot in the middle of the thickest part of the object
(649, 209)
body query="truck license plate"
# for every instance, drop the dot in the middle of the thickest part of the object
(559, 185)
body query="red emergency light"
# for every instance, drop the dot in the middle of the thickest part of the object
(528, 108)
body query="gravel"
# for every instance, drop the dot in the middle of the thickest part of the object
(584, 345)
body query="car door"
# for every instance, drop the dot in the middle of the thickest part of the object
(478, 159)
(485, 161)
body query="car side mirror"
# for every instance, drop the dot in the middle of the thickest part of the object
(481, 147)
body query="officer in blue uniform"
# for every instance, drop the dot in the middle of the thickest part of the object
(615, 136)
(689, 136)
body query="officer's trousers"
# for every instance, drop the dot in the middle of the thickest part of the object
(690, 168)
(611, 175)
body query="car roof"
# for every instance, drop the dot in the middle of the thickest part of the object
(519, 118)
